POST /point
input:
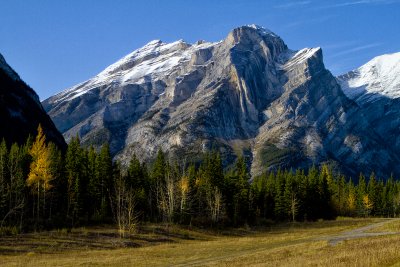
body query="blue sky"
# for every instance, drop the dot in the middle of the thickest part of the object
(56, 44)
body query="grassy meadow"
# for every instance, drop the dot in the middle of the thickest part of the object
(291, 244)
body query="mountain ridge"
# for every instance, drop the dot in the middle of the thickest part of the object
(247, 94)
(21, 111)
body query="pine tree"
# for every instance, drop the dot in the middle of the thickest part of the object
(351, 198)
(57, 194)
(241, 197)
(73, 167)
(157, 183)
(104, 169)
(17, 183)
(291, 196)
(94, 186)
(137, 183)
(339, 195)
(312, 197)
(280, 210)
(361, 192)
(373, 193)
(159, 168)
(325, 208)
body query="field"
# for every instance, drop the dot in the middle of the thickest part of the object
(344, 242)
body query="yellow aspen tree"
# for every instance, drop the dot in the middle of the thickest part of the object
(40, 176)
(184, 190)
(351, 203)
(368, 205)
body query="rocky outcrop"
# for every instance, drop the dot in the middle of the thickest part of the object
(21, 111)
(247, 94)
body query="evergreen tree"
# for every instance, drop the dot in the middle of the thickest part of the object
(59, 183)
(241, 197)
(73, 165)
(94, 185)
(137, 183)
(104, 169)
(291, 196)
(361, 192)
(280, 211)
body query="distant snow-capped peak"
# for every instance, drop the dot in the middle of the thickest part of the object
(378, 77)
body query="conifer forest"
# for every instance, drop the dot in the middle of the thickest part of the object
(42, 187)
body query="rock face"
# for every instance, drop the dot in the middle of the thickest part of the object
(247, 94)
(21, 111)
(375, 87)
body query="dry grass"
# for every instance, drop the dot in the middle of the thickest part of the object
(393, 226)
(283, 245)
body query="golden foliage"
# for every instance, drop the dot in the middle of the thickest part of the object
(184, 185)
(40, 172)
(367, 203)
(351, 202)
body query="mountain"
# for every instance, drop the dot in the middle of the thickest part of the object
(21, 111)
(375, 87)
(247, 94)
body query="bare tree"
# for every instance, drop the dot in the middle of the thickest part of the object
(124, 208)
(14, 210)
(168, 198)
(293, 205)
(214, 201)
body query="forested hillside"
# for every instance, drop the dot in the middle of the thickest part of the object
(41, 188)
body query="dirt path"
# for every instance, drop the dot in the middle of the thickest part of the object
(359, 233)
(332, 240)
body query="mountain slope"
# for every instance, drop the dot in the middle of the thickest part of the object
(375, 87)
(247, 94)
(380, 77)
(21, 111)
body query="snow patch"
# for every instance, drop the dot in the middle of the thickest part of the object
(262, 30)
(292, 58)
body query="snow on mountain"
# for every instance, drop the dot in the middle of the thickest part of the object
(378, 77)
(248, 93)
(293, 58)
(149, 62)
(262, 30)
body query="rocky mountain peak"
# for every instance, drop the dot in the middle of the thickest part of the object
(254, 37)
(245, 95)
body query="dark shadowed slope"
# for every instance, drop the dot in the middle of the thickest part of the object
(21, 111)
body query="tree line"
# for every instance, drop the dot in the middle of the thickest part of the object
(42, 187)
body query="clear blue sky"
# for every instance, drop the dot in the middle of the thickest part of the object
(56, 44)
